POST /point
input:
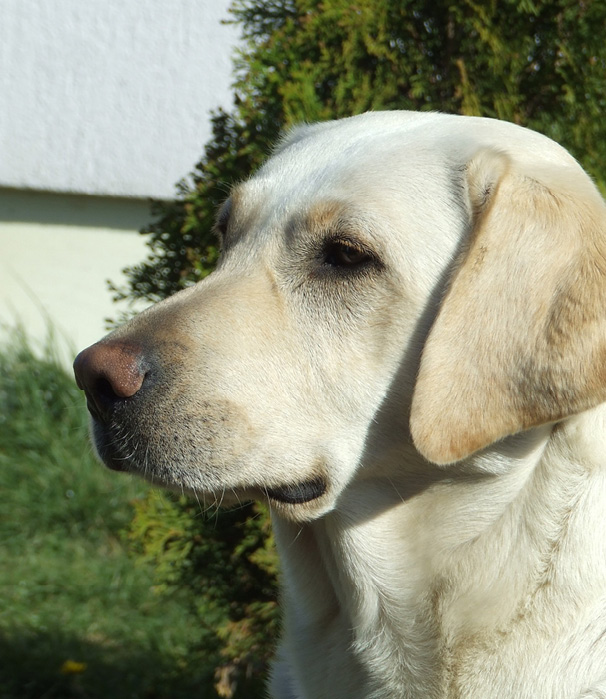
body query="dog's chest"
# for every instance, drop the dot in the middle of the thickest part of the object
(367, 616)
(353, 620)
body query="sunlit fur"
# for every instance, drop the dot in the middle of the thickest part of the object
(449, 393)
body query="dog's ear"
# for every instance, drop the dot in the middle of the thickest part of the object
(520, 337)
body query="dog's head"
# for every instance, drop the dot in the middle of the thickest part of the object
(450, 268)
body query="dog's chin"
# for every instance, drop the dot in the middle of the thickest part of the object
(302, 502)
(297, 502)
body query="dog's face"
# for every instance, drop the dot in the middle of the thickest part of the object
(270, 378)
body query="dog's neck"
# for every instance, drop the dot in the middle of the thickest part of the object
(419, 570)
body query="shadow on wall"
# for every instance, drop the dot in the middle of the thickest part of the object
(84, 211)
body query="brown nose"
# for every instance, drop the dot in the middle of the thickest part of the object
(109, 372)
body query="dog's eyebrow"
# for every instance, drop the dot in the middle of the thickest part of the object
(338, 217)
(321, 217)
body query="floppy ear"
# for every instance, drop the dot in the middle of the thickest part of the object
(520, 338)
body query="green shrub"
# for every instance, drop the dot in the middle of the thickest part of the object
(539, 63)
(226, 562)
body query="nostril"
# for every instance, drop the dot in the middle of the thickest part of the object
(104, 393)
(101, 398)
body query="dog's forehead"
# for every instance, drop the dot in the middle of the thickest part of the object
(345, 160)
(366, 179)
(387, 149)
(406, 142)
(338, 153)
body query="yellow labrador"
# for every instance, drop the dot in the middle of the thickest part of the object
(403, 349)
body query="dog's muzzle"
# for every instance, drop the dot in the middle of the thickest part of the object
(120, 380)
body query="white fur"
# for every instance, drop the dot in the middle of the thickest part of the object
(479, 579)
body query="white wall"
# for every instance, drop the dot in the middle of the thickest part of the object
(103, 103)
(107, 96)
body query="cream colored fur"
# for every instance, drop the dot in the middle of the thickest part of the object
(448, 392)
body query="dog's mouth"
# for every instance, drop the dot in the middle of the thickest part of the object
(298, 493)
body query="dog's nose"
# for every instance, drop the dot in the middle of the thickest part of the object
(109, 373)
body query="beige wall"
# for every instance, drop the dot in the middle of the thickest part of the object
(56, 253)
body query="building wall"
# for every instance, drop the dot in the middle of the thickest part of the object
(109, 97)
(57, 252)
(103, 104)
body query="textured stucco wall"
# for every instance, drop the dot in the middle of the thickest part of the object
(109, 97)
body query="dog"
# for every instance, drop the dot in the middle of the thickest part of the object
(402, 350)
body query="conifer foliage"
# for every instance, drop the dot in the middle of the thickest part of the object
(539, 63)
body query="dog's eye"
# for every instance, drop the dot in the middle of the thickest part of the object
(222, 221)
(342, 253)
(221, 225)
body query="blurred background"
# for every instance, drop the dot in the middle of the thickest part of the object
(122, 127)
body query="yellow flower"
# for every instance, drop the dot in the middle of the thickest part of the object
(72, 667)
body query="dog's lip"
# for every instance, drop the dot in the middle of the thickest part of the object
(298, 493)
(288, 494)
(110, 460)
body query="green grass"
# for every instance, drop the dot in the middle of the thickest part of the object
(78, 616)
